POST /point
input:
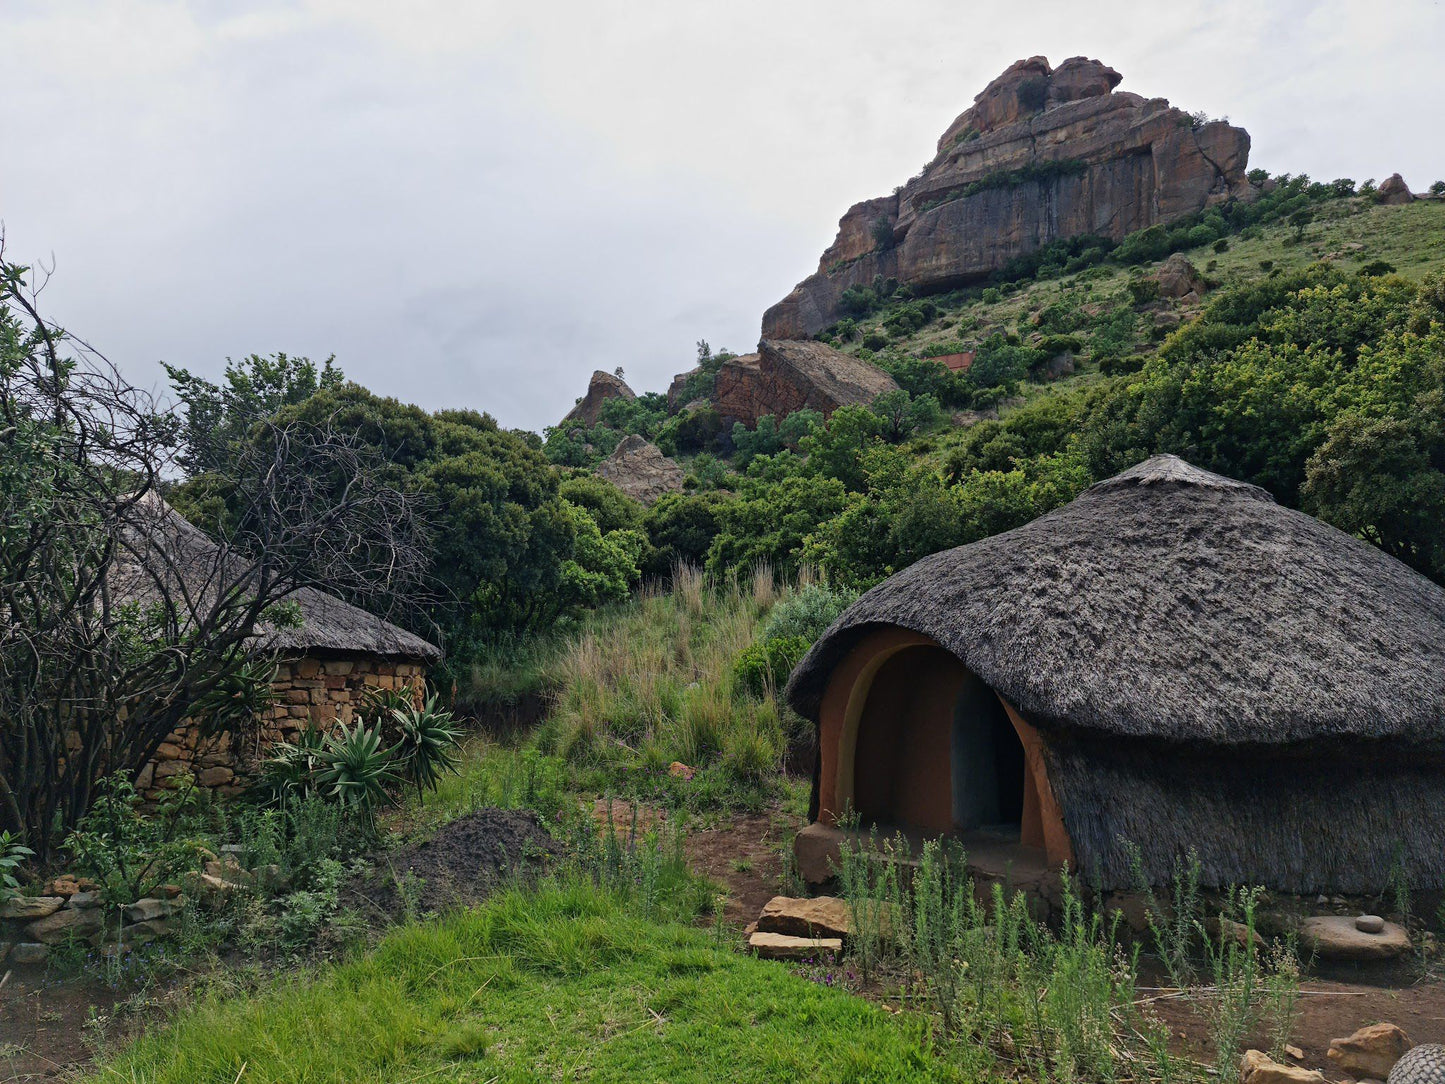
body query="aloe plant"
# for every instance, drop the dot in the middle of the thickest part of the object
(427, 746)
(357, 769)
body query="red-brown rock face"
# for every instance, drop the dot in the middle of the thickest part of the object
(783, 377)
(600, 388)
(1096, 161)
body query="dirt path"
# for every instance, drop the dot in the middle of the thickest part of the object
(746, 856)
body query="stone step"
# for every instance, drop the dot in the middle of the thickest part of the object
(782, 946)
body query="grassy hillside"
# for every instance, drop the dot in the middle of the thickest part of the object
(564, 983)
(1093, 303)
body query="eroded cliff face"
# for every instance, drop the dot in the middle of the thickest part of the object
(1083, 159)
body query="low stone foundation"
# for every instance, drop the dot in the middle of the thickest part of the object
(312, 690)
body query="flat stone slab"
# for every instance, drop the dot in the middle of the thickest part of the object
(1335, 937)
(782, 946)
(28, 907)
(823, 916)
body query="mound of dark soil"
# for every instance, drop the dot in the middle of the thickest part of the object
(458, 866)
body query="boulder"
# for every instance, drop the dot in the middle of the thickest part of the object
(70, 922)
(1394, 191)
(28, 907)
(1334, 937)
(1178, 278)
(782, 946)
(150, 909)
(1369, 1053)
(818, 851)
(88, 898)
(784, 377)
(29, 952)
(641, 471)
(1258, 1068)
(822, 916)
(1043, 154)
(600, 388)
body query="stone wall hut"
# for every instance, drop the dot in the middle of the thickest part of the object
(325, 668)
(1172, 660)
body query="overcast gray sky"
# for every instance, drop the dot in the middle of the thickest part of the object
(477, 204)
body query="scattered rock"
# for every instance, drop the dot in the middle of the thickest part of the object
(1370, 1052)
(1334, 937)
(1295, 1052)
(149, 909)
(1370, 924)
(142, 933)
(70, 922)
(822, 916)
(1178, 278)
(29, 952)
(782, 946)
(679, 770)
(27, 907)
(819, 852)
(81, 900)
(5, 947)
(1394, 191)
(1222, 929)
(1258, 1068)
(641, 471)
(67, 885)
(600, 388)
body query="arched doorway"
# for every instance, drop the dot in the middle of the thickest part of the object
(912, 739)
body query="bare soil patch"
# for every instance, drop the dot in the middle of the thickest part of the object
(460, 865)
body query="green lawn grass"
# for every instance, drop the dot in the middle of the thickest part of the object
(561, 983)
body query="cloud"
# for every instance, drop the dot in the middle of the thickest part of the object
(477, 204)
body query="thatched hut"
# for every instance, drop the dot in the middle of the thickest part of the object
(325, 666)
(1172, 661)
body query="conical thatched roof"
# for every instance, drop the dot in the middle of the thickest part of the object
(1169, 603)
(163, 547)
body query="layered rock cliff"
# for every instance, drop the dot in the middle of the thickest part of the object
(1043, 154)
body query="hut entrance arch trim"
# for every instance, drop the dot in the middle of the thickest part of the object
(841, 716)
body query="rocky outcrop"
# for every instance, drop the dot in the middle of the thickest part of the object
(783, 377)
(1043, 154)
(641, 471)
(600, 388)
(1178, 278)
(1394, 191)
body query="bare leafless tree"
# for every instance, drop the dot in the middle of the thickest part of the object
(119, 620)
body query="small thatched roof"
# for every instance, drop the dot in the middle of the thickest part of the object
(1172, 604)
(172, 550)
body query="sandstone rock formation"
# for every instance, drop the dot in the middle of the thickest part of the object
(1370, 1053)
(641, 471)
(1044, 153)
(1394, 191)
(783, 377)
(600, 388)
(1178, 278)
(1257, 1067)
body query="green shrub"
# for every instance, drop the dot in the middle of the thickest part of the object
(12, 856)
(764, 667)
(875, 338)
(807, 613)
(1143, 290)
(1222, 245)
(426, 747)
